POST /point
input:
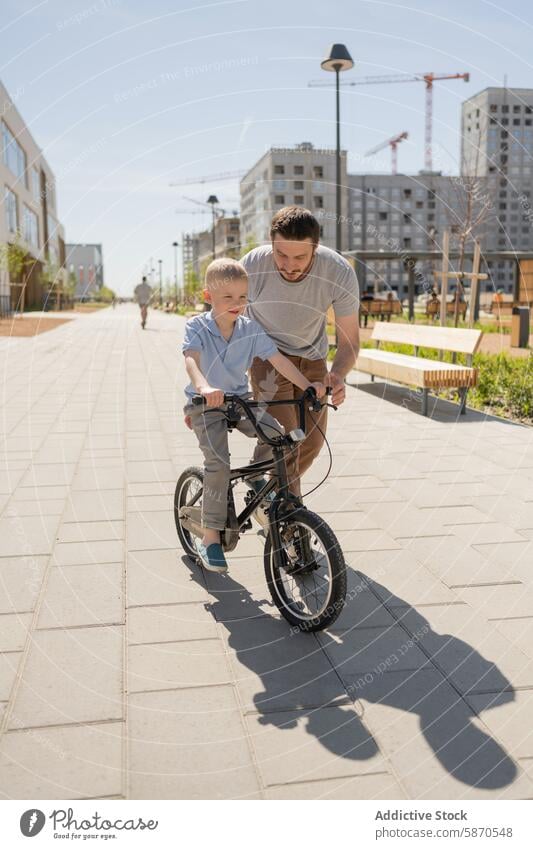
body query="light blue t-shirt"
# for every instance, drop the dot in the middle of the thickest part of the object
(224, 363)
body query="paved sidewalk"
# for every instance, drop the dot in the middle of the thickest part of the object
(125, 672)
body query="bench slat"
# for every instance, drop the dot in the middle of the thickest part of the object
(465, 341)
(418, 371)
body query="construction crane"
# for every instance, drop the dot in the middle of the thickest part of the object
(427, 78)
(210, 178)
(393, 144)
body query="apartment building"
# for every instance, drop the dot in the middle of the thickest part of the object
(198, 247)
(29, 215)
(497, 146)
(85, 266)
(284, 176)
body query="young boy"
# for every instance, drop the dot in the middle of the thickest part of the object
(219, 347)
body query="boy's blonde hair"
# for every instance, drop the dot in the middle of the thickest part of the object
(222, 271)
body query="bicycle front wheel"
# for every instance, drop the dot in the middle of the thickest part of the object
(307, 576)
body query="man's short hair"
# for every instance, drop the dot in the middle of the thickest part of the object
(295, 223)
(224, 270)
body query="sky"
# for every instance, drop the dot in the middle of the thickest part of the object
(125, 97)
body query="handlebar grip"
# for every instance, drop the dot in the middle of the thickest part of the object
(198, 400)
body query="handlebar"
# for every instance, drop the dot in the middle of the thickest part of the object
(309, 395)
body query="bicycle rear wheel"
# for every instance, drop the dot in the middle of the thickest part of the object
(309, 585)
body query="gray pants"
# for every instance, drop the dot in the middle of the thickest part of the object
(211, 429)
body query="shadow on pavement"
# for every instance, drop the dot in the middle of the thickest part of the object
(287, 676)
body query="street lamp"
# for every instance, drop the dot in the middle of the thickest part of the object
(175, 246)
(160, 261)
(213, 200)
(338, 60)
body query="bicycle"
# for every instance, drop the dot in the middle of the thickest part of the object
(303, 561)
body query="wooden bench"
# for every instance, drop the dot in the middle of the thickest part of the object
(433, 309)
(377, 307)
(417, 371)
(501, 308)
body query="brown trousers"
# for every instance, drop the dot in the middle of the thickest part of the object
(269, 385)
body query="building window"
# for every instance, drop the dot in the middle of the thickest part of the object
(318, 172)
(493, 107)
(505, 121)
(516, 108)
(12, 222)
(420, 204)
(298, 169)
(279, 199)
(407, 193)
(35, 184)
(319, 201)
(407, 219)
(383, 216)
(298, 199)
(298, 184)
(407, 242)
(31, 227)
(505, 108)
(13, 155)
(279, 169)
(516, 121)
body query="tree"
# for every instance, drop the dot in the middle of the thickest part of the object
(15, 259)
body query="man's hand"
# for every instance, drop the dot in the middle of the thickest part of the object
(319, 388)
(188, 421)
(337, 385)
(213, 397)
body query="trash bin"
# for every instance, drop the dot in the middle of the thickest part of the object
(520, 327)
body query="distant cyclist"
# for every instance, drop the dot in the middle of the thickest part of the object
(143, 294)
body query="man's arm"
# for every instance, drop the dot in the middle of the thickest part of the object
(290, 372)
(347, 327)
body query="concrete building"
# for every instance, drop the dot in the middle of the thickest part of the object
(497, 146)
(284, 176)
(29, 215)
(85, 264)
(198, 247)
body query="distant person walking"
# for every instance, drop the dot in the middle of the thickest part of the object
(143, 294)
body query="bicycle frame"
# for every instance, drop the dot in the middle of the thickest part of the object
(279, 479)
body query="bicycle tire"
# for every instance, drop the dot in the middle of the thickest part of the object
(337, 594)
(185, 537)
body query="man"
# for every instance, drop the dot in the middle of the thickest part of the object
(292, 283)
(143, 293)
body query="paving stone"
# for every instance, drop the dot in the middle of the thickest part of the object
(13, 631)
(304, 745)
(66, 762)
(74, 553)
(71, 676)
(83, 595)
(48, 507)
(162, 666)
(505, 508)
(508, 718)
(404, 520)
(189, 744)
(40, 493)
(371, 786)
(484, 533)
(98, 479)
(9, 664)
(399, 580)
(20, 582)
(151, 531)
(433, 740)
(48, 474)
(87, 531)
(499, 602)
(366, 541)
(149, 471)
(103, 505)
(472, 653)
(275, 667)
(163, 577)
(459, 565)
(518, 631)
(27, 535)
(170, 623)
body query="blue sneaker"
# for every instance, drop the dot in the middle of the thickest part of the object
(212, 557)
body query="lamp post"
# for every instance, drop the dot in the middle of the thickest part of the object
(160, 261)
(213, 200)
(338, 59)
(175, 246)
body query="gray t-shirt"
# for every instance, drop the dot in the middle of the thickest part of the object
(294, 314)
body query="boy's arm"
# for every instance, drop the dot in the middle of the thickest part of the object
(289, 370)
(214, 397)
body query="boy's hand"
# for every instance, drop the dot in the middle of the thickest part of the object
(213, 397)
(319, 388)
